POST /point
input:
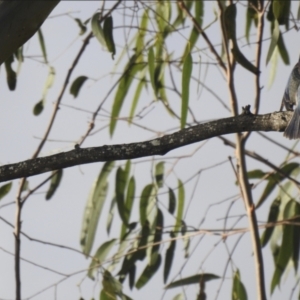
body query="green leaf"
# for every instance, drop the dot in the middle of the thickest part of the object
(251, 16)
(42, 44)
(54, 184)
(97, 29)
(5, 189)
(93, 208)
(281, 11)
(120, 194)
(286, 248)
(140, 43)
(38, 108)
(126, 79)
(128, 203)
(159, 225)
(111, 286)
(273, 215)
(229, 21)
(186, 76)
(282, 50)
(256, 174)
(149, 271)
(144, 201)
(11, 75)
(274, 40)
(274, 180)
(110, 215)
(238, 288)
(273, 69)
(159, 173)
(296, 237)
(169, 257)
(108, 35)
(99, 257)
(136, 98)
(81, 26)
(242, 60)
(195, 279)
(76, 85)
(180, 209)
(172, 201)
(151, 64)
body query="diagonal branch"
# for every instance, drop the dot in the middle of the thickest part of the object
(160, 146)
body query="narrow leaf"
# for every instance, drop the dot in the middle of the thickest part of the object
(54, 184)
(274, 40)
(136, 98)
(282, 50)
(5, 189)
(146, 193)
(99, 257)
(186, 76)
(81, 26)
(11, 75)
(180, 209)
(108, 35)
(273, 215)
(42, 44)
(151, 64)
(195, 279)
(238, 288)
(169, 257)
(93, 208)
(159, 174)
(172, 201)
(149, 271)
(110, 215)
(76, 85)
(97, 29)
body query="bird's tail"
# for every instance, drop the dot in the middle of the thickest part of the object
(292, 131)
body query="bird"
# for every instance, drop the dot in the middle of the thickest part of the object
(290, 98)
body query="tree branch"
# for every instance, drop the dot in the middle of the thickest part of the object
(160, 146)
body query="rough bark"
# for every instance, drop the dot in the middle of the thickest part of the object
(270, 122)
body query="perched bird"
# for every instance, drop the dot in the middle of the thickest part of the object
(290, 98)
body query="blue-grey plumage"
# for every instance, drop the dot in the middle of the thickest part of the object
(291, 97)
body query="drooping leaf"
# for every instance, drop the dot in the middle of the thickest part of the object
(286, 248)
(282, 50)
(111, 286)
(140, 40)
(195, 279)
(251, 16)
(273, 215)
(149, 271)
(97, 29)
(281, 11)
(136, 98)
(242, 60)
(5, 189)
(238, 289)
(54, 183)
(94, 207)
(120, 194)
(275, 179)
(76, 85)
(186, 76)
(169, 257)
(229, 21)
(180, 208)
(256, 174)
(110, 215)
(296, 237)
(159, 225)
(108, 35)
(130, 71)
(11, 75)
(128, 203)
(172, 201)
(146, 194)
(99, 257)
(151, 64)
(273, 68)
(42, 44)
(274, 40)
(159, 174)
